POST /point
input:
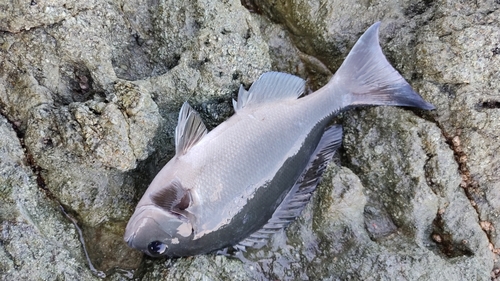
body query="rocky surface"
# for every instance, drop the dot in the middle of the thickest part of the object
(89, 95)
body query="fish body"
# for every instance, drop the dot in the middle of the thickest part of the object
(253, 173)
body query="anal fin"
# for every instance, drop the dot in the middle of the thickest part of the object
(300, 194)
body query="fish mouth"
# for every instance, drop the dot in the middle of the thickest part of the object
(129, 238)
(131, 229)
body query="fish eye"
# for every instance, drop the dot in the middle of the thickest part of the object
(157, 248)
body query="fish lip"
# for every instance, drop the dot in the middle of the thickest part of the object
(130, 243)
(129, 232)
(129, 239)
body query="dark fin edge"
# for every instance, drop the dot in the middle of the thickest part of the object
(189, 131)
(300, 194)
(271, 86)
(371, 80)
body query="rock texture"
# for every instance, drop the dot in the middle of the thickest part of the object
(89, 96)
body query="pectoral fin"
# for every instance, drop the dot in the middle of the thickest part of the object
(173, 198)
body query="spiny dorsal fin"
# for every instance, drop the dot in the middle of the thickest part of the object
(297, 198)
(173, 198)
(190, 129)
(271, 86)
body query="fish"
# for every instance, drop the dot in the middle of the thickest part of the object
(253, 174)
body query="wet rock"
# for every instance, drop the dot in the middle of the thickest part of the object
(286, 57)
(16, 17)
(34, 233)
(334, 240)
(417, 188)
(448, 53)
(463, 80)
(95, 89)
(327, 31)
(206, 267)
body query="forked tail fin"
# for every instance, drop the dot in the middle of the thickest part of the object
(370, 79)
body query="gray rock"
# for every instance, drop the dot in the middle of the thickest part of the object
(93, 90)
(463, 79)
(447, 51)
(416, 187)
(34, 232)
(206, 267)
(16, 17)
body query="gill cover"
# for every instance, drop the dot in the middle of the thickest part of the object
(162, 217)
(161, 222)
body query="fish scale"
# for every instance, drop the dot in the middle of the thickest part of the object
(256, 169)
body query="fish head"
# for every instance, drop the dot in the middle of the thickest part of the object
(155, 231)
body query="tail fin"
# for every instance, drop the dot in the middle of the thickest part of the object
(371, 80)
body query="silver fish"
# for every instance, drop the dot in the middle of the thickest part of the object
(254, 173)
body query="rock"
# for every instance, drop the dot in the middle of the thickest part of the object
(199, 268)
(15, 18)
(417, 188)
(427, 43)
(89, 97)
(34, 232)
(464, 87)
(95, 89)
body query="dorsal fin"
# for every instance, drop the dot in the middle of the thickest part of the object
(297, 198)
(270, 86)
(190, 129)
